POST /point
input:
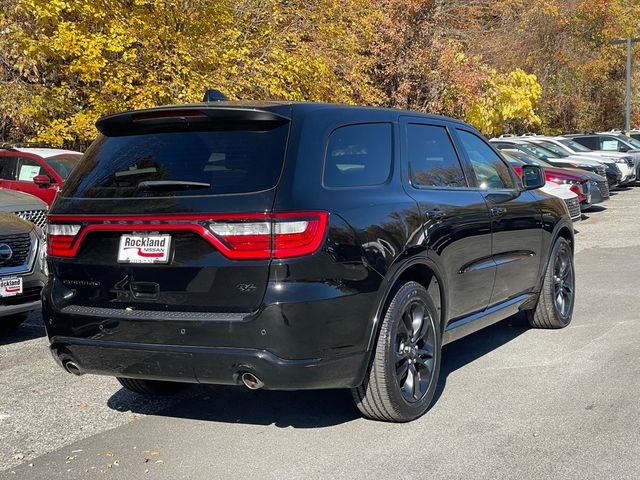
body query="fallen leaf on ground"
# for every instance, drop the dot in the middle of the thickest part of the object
(83, 405)
(19, 456)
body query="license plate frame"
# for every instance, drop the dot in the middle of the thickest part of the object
(144, 248)
(11, 287)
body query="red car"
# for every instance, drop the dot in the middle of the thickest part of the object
(37, 171)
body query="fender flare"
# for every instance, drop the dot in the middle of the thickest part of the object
(554, 236)
(393, 274)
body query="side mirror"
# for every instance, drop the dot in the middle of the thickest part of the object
(623, 148)
(43, 181)
(532, 177)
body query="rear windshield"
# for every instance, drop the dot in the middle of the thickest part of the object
(180, 164)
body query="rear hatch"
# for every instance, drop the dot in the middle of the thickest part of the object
(170, 210)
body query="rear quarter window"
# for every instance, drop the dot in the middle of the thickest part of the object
(358, 155)
(221, 161)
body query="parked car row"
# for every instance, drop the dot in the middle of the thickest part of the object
(291, 245)
(591, 173)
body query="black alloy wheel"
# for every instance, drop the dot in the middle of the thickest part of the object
(401, 380)
(563, 282)
(556, 300)
(414, 351)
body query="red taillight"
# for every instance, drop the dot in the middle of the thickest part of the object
(60, 239)
(518, 170)
(578, 191)
(281, 235)
(236, 236)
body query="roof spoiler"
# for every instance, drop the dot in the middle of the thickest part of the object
(187, 117)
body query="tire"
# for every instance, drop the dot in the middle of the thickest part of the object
(549, 312)
(11, 323)
(151, 387)
(386, 392)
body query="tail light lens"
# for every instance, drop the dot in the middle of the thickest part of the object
(281, 235)
(60, 239)
(236, 236)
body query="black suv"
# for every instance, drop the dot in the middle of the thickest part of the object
(296, 246)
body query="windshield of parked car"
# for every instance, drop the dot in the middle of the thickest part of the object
(63, 164)
(512, 159)
(540, 152)
(529, 159)
(561, 152)
(575, 146)
(632, 141)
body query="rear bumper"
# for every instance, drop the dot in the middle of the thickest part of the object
(209, 365)
(305, 336)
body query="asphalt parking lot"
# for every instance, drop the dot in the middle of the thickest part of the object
(513, 402)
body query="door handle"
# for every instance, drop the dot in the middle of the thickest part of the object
(435, 214)
(498, 211)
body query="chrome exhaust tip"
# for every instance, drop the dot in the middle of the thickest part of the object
(72, 368)
(251, 381)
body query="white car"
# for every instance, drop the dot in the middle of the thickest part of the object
(570, 199)
(624, 162)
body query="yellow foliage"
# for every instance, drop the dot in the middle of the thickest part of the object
(510, 99)
(76, 60)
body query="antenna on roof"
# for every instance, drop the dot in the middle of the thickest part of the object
(213, 95)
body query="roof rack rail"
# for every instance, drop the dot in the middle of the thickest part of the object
(529, 134)
(506, 135)
(213, 95)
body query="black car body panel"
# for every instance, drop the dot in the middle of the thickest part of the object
(305, 321)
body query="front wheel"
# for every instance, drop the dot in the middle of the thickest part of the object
(402, 378)
(557, 297)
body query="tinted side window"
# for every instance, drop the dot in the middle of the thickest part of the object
(434, 162)
(358, 155)
(28, 168)
(489, 168)
(6, 168)
(589, 142)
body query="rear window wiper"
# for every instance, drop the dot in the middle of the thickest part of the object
(171, 185)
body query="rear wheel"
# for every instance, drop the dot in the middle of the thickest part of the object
(557, 297)
(151, 387)
(14, 321)
(401, 380)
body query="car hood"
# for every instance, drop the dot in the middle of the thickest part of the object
(562, 191)
(585, 173)
(14, 201)
(12, 225)
(568, 173)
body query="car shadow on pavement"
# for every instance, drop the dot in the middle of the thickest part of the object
(32, 328)
(464, 351)
(303, 409)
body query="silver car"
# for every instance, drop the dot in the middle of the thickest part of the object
(22, 256)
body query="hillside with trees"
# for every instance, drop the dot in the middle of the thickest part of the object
(503, 65)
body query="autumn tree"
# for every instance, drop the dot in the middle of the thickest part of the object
(65, 63)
